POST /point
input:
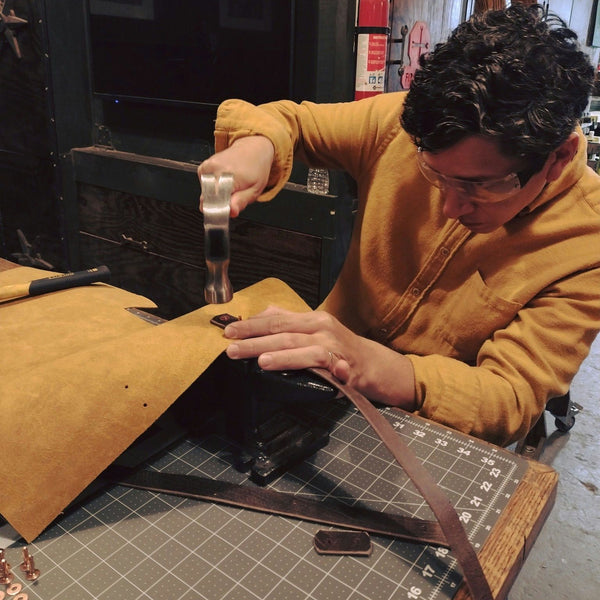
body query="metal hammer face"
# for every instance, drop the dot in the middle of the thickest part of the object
(216, 200)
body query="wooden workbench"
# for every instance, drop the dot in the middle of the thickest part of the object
(514, 534)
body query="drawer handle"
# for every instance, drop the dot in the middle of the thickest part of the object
(129, 241)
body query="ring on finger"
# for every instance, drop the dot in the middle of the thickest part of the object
(332, 359)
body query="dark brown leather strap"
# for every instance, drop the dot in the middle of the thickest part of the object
(431, 492)
(447, 532)
(270, 501)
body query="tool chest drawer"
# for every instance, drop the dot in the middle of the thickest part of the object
(155, 248)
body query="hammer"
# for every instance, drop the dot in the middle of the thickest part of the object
(216, 205)
(56, 282)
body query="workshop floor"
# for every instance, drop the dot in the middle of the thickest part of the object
(564, 562)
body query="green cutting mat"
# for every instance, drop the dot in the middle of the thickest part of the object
(132, 544)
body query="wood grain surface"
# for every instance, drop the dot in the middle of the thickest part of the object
(505, 551)
(156, 249)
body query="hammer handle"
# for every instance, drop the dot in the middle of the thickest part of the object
(54, 283)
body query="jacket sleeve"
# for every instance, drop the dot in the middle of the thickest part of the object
(519, 368)
(346, 136)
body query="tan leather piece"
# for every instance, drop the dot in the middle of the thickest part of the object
(39, 329)
(68, 414)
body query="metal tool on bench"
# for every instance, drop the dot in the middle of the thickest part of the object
(216, 194)
(267, 414)
(56, 282)
(260, 415)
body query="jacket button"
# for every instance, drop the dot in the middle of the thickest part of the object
(415, 291)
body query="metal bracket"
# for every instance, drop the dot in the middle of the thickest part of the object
(102, 136)
(564, 411)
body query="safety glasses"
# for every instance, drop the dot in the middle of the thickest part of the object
(484, 190)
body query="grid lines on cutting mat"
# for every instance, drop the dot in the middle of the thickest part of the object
(135, 544)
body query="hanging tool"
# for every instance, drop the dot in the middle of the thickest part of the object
(402, 41)
(419, 42)
(7, 24)
(29, 257)
(215, 207)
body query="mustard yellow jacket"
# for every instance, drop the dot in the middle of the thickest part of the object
(494, 324)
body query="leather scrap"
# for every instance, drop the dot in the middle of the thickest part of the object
(352, 543)
(327, 512)
(71, 407)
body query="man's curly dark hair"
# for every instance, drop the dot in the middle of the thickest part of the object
(517, 75)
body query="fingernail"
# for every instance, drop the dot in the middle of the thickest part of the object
(230, 332)
(233, 351)
(265, 360)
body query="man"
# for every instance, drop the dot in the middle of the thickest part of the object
(471, 288)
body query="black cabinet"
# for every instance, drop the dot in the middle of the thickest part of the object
(123, 188)
(140, 217)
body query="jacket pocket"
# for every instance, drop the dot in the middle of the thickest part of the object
(470, 315)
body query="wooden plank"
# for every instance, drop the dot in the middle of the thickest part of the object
(505, 551)
(5, 265)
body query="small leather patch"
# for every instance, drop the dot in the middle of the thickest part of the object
(224, 319)
(356, 543)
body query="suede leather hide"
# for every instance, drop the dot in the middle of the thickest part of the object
(82, 379)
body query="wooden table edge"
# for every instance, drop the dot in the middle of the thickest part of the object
(516, 530)
(5, 265)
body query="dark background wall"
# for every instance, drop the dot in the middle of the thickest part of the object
(28, 183)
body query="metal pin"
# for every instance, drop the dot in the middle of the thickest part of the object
(31, 573)
(6, 575)
(23, 565)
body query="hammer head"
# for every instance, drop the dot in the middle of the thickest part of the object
(216, 206)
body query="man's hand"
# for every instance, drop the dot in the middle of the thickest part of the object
(285, 340)
(249, 159)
